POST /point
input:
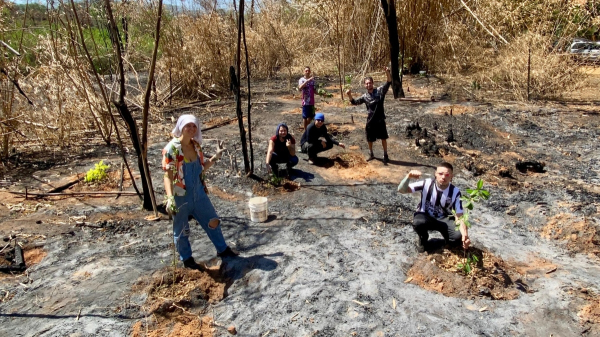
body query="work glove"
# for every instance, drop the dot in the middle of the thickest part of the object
(220, 150)
(170, 204)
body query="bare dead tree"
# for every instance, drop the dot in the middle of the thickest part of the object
(251, 14)
(249, 94)
(140, 145)
(389, 9)
(146, 109)
(235, 77)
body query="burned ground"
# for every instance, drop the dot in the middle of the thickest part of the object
(335, 254)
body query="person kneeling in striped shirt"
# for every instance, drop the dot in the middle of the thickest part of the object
(434, 213)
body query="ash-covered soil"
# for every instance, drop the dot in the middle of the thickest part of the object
(333, 259)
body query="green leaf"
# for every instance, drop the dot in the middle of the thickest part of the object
(470, 190)
(485, 194)
(470, 206)
(480, 184)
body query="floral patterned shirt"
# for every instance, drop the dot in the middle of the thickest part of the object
(173, 160)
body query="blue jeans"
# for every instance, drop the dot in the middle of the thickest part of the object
(197, 204)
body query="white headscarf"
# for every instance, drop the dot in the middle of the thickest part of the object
(183, 121)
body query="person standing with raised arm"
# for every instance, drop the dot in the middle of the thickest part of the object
(434, 213)
(306, 84)
(185, 190)
(373, 99)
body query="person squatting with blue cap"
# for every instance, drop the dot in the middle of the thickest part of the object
(186, 192)
(315, 139)
(282, 149)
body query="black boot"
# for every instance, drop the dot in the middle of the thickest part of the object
(420, 243)
(191, 264)
(228, 252)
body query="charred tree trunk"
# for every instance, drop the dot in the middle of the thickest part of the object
(126, 114)
(389, 9)
(150, 204)
(249, 96)
(235, 86)
(251, 14)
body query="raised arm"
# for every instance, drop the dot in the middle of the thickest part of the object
(353, 101)
(305, 83)
(403, 187)
(220, 149)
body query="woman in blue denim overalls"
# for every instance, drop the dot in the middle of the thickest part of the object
(183, 162)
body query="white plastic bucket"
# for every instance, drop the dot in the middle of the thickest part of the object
(258, 209)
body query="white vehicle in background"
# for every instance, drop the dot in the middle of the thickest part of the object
(592, 53)
(586, 50)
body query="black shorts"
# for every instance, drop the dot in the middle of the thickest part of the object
(376, 130)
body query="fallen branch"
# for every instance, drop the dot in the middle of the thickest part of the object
(9, 48)
(418, 100)
(65, 186)
(226, 122)
(41, 125)
(72, 193)
(83, 224)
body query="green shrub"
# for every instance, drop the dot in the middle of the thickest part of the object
(98, 173)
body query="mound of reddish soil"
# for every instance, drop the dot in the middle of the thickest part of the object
(490, 277)
(177, 303)
(34, 256)
(263, 189)
(185, 325)
(589, 316)
(579, 234)
(348, 160)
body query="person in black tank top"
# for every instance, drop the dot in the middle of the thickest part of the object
(282, 149)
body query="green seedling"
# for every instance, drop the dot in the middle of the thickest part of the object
(475, 85)
(275, 181)
(472, 196)
(323, 93)
(348, 84)
(467, 267)
(97, 174)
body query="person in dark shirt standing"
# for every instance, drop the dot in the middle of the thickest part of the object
(373, 99)
(316, 139)
(282, 149)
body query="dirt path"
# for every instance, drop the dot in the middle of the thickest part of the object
(334, 257)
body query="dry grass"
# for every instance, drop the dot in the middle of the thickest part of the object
(483, 49)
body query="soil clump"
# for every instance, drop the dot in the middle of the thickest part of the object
(579, 234)
(490, 277)
(177, 301)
